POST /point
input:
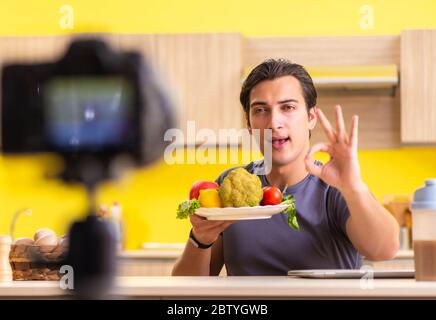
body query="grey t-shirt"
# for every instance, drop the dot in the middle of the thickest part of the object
(271, 247)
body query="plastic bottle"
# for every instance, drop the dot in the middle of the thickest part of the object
(117, 218)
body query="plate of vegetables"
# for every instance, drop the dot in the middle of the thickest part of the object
(239, 197)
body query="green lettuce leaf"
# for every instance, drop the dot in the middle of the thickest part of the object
(187, 207)
(291, 211)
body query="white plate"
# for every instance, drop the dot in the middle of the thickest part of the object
(241, 213)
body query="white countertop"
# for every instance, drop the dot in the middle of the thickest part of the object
(174, 253)
(151, 254)
(404, 254)
(237, 287)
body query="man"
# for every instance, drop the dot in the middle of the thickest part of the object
(339, 218)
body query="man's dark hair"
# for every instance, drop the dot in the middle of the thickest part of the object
(275, 68)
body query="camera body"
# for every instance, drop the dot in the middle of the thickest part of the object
(92, 106)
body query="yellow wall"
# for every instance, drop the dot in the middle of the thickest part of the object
(150, 196)
(251, 17)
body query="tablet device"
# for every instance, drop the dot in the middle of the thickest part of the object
(352, 273)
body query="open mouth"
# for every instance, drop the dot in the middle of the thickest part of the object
(278, 142)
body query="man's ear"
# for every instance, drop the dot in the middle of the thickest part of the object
(312, 118)
(247, 119)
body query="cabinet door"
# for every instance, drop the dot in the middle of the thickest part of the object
(203, 74)
(418, 86)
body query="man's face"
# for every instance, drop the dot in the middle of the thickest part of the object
(279, 105)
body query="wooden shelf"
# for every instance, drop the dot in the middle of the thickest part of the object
(354, 77)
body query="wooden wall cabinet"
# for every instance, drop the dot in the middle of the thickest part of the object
(418, 86)
(379, 125)
(202, 72)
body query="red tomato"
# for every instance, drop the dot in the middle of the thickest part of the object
(271, 196)
(201, 185)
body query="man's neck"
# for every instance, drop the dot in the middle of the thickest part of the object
(287, 175)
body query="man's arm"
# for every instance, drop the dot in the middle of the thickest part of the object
(373, 231)
(202, 262)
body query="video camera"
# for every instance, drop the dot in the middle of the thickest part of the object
(101, 111)
(94, 106)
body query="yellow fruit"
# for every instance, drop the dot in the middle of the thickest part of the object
(209, 198)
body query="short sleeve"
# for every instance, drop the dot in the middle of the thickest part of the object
(223, 175)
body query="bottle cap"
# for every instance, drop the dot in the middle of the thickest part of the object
(425, 197)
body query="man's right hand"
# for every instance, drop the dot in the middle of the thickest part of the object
(207, 231)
